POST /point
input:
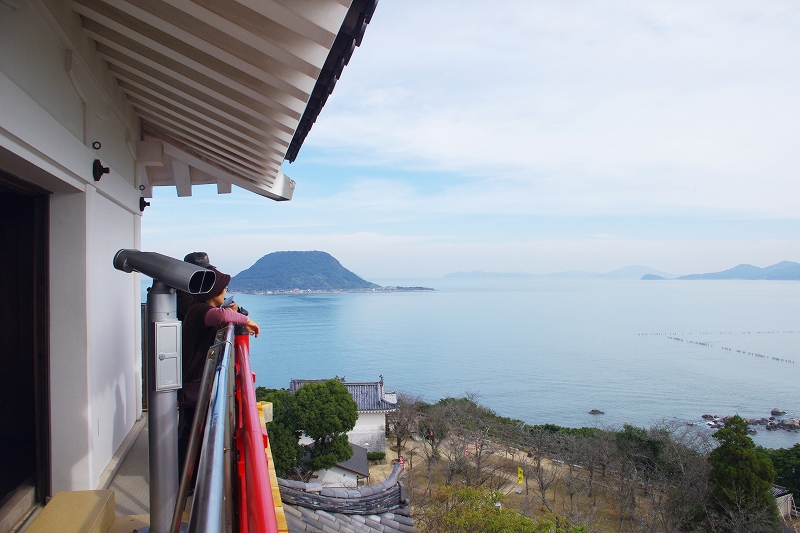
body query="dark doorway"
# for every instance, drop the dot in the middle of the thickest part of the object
(24, 357)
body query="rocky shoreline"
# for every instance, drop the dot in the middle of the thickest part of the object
(772, 423)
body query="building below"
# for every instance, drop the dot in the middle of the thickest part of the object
(349, 474)
(373, 402)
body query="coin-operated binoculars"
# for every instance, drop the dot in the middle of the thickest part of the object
(164, 368)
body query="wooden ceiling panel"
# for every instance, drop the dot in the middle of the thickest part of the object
(206, 129)
(198, 63)
(194, 39)
(276, 125)
(260, 138)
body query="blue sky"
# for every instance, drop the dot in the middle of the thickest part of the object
(535, 137)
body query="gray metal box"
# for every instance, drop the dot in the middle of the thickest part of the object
(168, 356)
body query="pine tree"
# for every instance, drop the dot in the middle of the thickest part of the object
(323, 411)
(741, 480)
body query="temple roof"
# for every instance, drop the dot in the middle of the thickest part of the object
(778, 491)
(370, 396)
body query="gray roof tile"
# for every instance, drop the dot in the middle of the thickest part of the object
(370, 396)
(778, 491)
(380, 509)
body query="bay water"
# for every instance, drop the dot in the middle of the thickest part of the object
(549, 350)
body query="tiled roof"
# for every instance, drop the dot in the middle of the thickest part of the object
(349, 37)
(368, 395)
(778, 491)
(300, 519)
(381, 508)
(358, 463)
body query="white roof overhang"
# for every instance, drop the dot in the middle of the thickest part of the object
(225, 90)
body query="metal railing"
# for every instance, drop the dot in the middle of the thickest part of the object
(209, 506)
(256, 506)
(227, 499)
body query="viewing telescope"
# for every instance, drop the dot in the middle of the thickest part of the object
(177, 274)
(164, 368)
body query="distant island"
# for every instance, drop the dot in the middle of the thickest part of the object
(785, 270)
(480, 274)
(628, 272)
(303, 272)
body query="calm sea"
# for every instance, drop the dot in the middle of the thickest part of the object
(550, 350)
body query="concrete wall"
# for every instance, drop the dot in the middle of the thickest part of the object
(56, 99)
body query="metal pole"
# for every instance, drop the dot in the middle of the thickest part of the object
(162, 417)
(208, 506)
(195, 436)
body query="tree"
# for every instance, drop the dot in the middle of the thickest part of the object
(434, 429)
(572, 453)
(325, 412)
(541, 443)
(741, 478)
(283, 431)
(403, 421)
(787, 466)
(470, 448)
(676, 501)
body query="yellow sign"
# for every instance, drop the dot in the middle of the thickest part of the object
(520, 476)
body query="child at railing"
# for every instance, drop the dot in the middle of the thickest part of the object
(200, 325)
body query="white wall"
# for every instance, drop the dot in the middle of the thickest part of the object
(48, 121)
(338, 477)
(369, 432)
(112, 306)
(69, 386)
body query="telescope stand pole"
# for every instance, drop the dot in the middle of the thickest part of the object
(162, 416)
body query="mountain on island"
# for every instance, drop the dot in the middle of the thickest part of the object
(785, 270)
(634, 272)
(304, 271)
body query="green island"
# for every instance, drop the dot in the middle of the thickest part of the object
(295, 272)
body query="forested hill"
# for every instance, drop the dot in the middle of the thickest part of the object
(287, 271)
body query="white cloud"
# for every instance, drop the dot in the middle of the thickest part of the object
(524, 136)
(693, 105)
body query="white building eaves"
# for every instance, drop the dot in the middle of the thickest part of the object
(220, 91)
